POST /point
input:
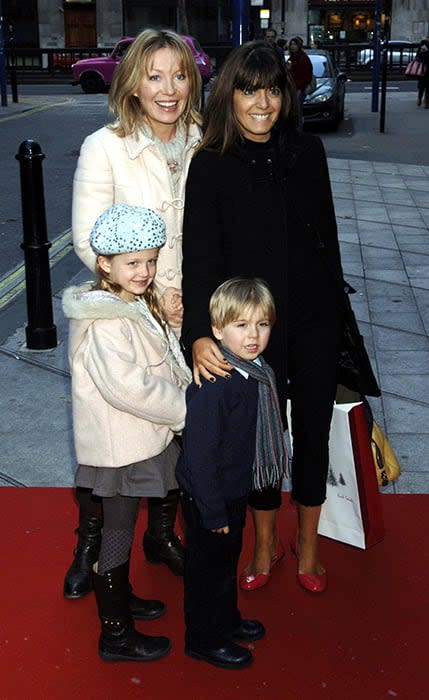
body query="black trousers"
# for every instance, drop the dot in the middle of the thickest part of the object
(210, 576)
(312, 370)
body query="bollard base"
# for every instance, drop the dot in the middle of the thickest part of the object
(41, 338)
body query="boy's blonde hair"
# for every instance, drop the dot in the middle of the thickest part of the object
(123, 103)
(237, 294)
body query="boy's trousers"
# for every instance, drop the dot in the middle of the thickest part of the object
(210, 576)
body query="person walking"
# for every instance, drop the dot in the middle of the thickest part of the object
(231, 427)
(142, 158)
(301, 70)
(262, 189)
(423, 82)
(128, 396)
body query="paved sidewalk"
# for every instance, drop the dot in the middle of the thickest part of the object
(383, 218)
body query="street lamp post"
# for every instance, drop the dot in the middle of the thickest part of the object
(3, 77)
(240, 22)
(376, 56)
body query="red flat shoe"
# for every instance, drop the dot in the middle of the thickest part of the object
(314, 583)
(250, 582)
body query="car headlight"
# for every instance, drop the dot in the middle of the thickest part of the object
(320, 96)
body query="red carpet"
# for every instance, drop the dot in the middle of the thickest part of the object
(364, 639)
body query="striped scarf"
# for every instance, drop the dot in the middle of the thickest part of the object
(270, 464)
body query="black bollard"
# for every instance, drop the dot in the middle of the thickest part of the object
(41, 333)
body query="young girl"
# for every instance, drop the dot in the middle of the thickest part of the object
(128, 390)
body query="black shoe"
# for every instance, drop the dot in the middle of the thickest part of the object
(119, 641)
(248, 631)
(146, 609)
(229, 656)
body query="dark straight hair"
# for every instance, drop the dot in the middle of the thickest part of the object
(252, 65)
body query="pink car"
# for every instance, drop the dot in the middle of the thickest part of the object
(95, 74)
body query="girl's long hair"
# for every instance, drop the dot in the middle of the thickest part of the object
(124, 105)
(102, 281)
(252, 65)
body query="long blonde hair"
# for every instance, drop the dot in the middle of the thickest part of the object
(103, 282)
(123, 103)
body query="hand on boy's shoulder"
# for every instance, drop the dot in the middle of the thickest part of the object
(219, 386)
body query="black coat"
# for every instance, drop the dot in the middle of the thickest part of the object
(237, 212)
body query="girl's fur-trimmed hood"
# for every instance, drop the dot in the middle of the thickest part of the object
(83, 302)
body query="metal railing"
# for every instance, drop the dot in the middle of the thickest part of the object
(50, 62)
(354, 59)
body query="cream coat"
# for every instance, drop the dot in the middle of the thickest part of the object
(128, 392)
(130, 170)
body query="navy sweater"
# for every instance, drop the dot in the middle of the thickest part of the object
(219, 444)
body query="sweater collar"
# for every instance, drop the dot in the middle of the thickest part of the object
(137, 141)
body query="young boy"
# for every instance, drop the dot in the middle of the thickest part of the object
(233, 439)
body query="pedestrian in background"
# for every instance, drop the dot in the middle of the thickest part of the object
(141, 159)
(128, 395)
(423, 82)
(270, 37)
(261, 188)
(232, 427)
(300, 68)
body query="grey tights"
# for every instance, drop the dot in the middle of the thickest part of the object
(120, 514)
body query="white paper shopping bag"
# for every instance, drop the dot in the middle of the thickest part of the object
(352, 510)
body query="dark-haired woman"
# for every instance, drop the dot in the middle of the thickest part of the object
(259, 203)
(423, 82)
(300, 69)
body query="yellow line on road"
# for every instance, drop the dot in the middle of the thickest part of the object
(32, 110)
(14, 283)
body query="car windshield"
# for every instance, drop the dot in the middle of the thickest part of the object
(123, 48)
(321, 66)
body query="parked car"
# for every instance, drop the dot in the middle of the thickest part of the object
(325, 105)
(95, 74)
(399, 53)
(200, 57)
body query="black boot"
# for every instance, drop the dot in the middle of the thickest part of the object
(78, 579)
(119, 640)
(142, 609)
(160, 544)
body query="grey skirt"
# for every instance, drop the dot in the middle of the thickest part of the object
(151, 477)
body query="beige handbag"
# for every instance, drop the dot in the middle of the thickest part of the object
(386, 463)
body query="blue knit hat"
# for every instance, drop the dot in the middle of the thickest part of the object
(126, 229)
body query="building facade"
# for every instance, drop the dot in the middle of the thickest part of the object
(88, 23)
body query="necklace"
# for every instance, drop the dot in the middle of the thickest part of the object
(173, 165)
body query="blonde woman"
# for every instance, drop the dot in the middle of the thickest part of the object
(142, 159)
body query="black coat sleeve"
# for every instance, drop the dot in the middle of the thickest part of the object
(203, 256)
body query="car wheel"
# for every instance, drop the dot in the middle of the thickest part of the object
(91, 82)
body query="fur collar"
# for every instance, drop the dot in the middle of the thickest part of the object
(84, 303)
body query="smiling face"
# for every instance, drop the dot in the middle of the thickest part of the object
(248, 336)
(256, 111)
(163, 93)
(132, 272)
